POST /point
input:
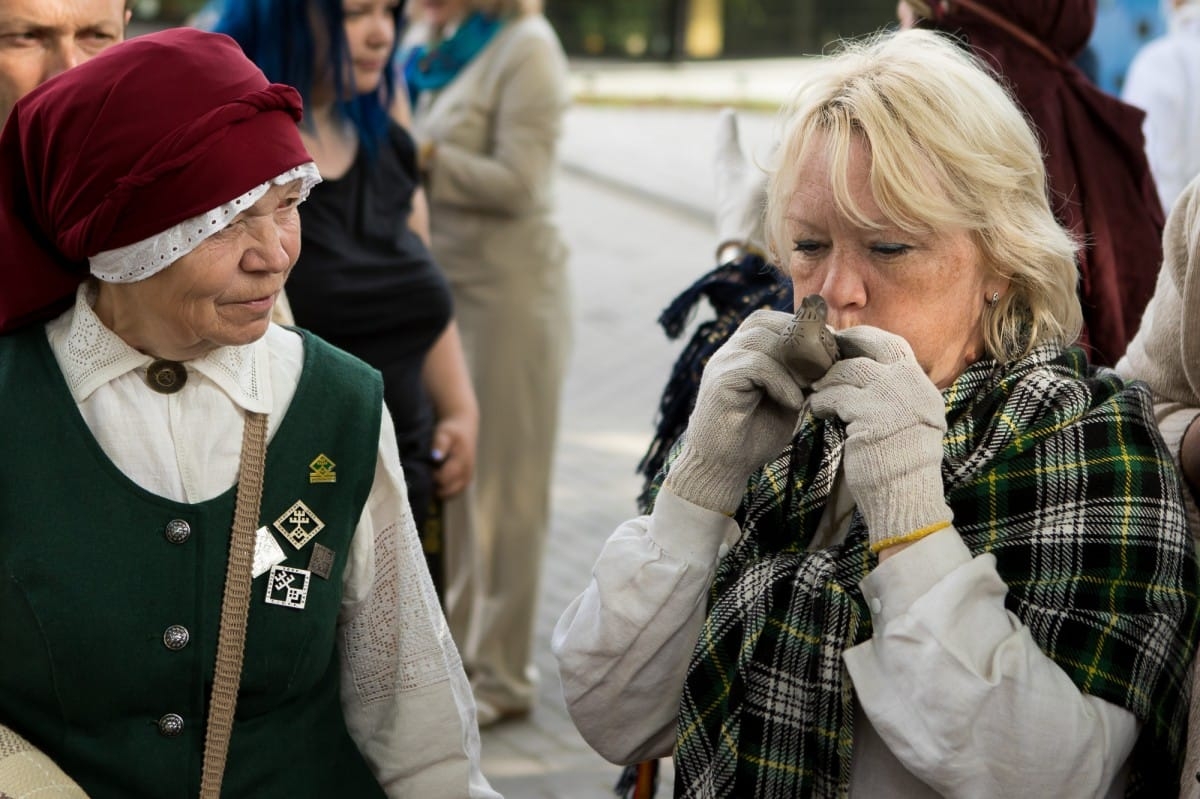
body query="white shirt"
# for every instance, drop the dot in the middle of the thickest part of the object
(955, 697)
(1164, 81)
(407, 703)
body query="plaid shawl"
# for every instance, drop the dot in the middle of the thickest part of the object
(1057, 471)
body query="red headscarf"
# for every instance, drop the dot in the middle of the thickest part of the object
(147, 134)
(1100, 181)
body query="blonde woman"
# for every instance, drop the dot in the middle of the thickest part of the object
(957, 564)
(488, 83)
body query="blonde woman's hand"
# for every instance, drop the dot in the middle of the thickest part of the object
(895, 422)
(747, 408)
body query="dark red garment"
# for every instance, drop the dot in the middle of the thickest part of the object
(147, 134)
(1100, 181)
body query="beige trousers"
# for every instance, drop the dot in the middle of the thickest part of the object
(516, 337)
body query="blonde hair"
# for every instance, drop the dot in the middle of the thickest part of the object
(949, 149)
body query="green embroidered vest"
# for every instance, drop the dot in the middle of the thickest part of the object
(110, 596)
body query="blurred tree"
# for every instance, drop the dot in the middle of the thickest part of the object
(657, 29)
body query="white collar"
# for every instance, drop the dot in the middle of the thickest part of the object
(91, 355)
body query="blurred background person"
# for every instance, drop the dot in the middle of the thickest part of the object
(227, 491)
(41, 38)
(366, 281)
(1166, 354)
(488, 80)
(1164, 81)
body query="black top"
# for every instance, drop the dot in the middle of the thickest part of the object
(366, 283)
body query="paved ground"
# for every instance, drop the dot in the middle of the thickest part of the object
(629, 257)
(636, 208)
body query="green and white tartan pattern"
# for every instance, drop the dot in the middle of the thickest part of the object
(1056, 470)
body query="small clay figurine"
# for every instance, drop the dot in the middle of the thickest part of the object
(809, 348)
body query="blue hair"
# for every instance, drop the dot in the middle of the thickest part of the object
(277, 35)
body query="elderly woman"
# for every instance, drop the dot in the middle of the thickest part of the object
(955, 564)
(181, 614)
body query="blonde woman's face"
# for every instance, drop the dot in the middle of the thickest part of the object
(440, 13)
(931, 288)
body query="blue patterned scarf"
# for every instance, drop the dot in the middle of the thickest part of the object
(428, 68)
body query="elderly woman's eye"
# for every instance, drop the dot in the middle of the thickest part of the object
(806, 246)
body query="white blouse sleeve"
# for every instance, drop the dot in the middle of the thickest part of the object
(623, 645)
(406, 699)
(963, 696)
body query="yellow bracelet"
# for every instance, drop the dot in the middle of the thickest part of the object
(908, 538)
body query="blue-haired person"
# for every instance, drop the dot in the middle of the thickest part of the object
(365, 280)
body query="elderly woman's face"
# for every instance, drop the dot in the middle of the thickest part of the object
(930, 288)
(219, 294)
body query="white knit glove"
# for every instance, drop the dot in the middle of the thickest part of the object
(747, 409)
(741, 189)
(895, 421)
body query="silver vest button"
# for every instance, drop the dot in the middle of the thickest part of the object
(176, 637)
(170, 725)
(178, 531)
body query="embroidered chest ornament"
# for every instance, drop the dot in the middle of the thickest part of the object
(299, 524)
(322, 470)
(288, 587)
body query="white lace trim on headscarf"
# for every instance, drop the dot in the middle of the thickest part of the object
(148, 257)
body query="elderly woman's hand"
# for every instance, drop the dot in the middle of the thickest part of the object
(895, 420)
(746, 411)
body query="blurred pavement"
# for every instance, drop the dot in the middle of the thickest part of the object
(649, 129)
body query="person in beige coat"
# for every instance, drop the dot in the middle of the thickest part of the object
(1166, 354)
(488, 81)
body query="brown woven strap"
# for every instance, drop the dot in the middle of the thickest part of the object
(235, 605)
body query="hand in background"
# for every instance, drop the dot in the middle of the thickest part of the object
(741, 189)
(454, 441)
